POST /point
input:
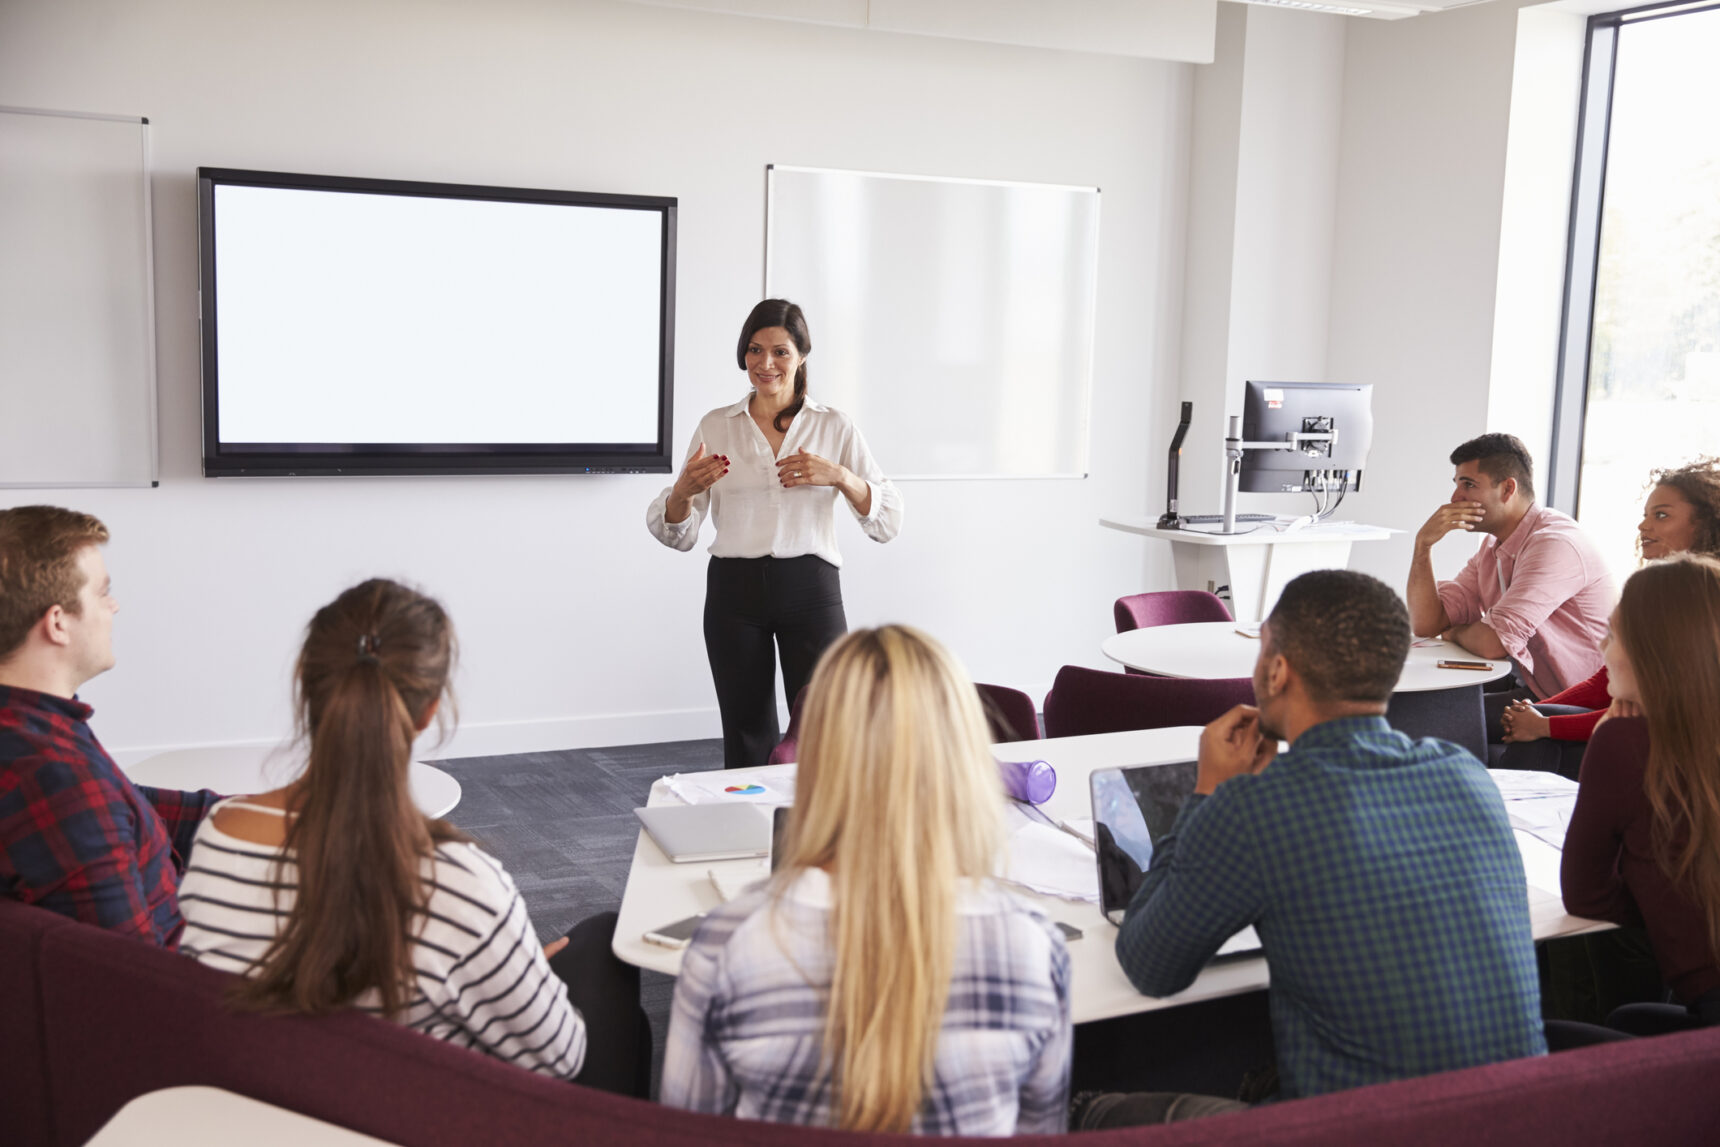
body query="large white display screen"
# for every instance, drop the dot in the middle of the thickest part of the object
(359, 318)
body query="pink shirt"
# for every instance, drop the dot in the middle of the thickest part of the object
(1545, 592)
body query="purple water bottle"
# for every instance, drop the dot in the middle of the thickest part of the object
(1030, 781)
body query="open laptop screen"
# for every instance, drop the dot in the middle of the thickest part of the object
(1132, 809)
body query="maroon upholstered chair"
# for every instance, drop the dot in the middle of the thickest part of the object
(1085, 701)
(1009, 713)
(787, 748)
(1168, 607)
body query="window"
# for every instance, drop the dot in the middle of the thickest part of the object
(1639, 372)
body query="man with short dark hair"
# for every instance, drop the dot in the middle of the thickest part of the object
(76, 836)
(1536, 591)
(1380, 873)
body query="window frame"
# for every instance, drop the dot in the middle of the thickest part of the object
(1583, 241)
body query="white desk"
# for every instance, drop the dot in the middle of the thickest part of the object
(214, 1117)
(236, 771)
(1209, 649)
(1255, 565)
(660, 891)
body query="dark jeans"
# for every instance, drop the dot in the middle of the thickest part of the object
(606, 992)
(754, 609)
(1219, 1047)
(1547, 755)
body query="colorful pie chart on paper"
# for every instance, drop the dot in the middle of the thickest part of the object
(745, 790)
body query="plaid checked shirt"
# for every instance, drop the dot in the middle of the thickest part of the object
(746, 1036)
(77, 837)
(1388, 891)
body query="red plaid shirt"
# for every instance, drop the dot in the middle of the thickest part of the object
(76, 836)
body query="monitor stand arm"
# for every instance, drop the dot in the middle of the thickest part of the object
(1233, 448)
(1171, 520)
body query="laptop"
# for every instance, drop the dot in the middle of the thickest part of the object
(1132, 808)
(701, 832)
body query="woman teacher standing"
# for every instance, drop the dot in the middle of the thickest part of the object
(769, 470)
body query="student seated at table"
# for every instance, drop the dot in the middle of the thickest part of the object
(1643, 848)
(881, 981)
(335, 891)
(1535, 591)
(1380, 872)
(1682, 515)
(76, 837)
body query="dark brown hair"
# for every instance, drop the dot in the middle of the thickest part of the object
(1499, 456)
(39, 548)
(1669, 621)
(374, 661)
(1699, 483)
(1346, 634)
(784, 314)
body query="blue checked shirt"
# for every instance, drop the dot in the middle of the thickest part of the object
(1388, 892)
(746, 1036)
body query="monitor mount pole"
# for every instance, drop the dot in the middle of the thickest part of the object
(1233, 448)
(1171, 520)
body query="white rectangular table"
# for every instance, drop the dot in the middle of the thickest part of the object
(660, 892)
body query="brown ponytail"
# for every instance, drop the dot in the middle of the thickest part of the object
(787, 315)
(374, 661)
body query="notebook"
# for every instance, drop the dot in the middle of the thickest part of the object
(1132, 808)
(688, 833)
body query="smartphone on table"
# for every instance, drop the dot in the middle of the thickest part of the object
(675, 935)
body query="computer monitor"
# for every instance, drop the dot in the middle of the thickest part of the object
(1273, 411)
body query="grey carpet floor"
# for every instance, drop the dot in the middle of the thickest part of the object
(562, 824)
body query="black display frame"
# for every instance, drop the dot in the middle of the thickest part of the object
(285, 459)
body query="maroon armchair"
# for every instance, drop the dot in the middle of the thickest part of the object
(1085, 701)
(1168, 607)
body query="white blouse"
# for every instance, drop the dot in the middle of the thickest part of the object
(755, 515)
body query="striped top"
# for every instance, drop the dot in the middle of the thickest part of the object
(483, 981)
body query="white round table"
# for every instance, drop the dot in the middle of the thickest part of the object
(235, 771)
(1217, 649)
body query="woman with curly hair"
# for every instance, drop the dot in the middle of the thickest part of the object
(1682, 515)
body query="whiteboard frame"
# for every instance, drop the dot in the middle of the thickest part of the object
(770, 171)
(152, 381)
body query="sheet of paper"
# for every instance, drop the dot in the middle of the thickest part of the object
(1051, 862)
(1540, 863)
(772, 785)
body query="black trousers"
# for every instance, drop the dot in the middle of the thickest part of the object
(754, 609)
(606, 992)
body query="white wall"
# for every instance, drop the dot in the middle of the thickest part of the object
(1415, 257)
(577, 627)
(1261, 218)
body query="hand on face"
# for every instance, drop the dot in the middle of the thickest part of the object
(701, 472)
(1232, 746)
(1619, 708)
(1523, 722)
(804, 469)
(1449, 517)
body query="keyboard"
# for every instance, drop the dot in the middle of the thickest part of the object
(1204, 519)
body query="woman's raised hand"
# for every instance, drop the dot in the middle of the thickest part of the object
(700, 473)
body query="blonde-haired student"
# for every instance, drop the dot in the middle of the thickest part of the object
(881, 981)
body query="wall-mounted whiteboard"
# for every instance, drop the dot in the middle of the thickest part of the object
(952, 318)
(77, 310)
